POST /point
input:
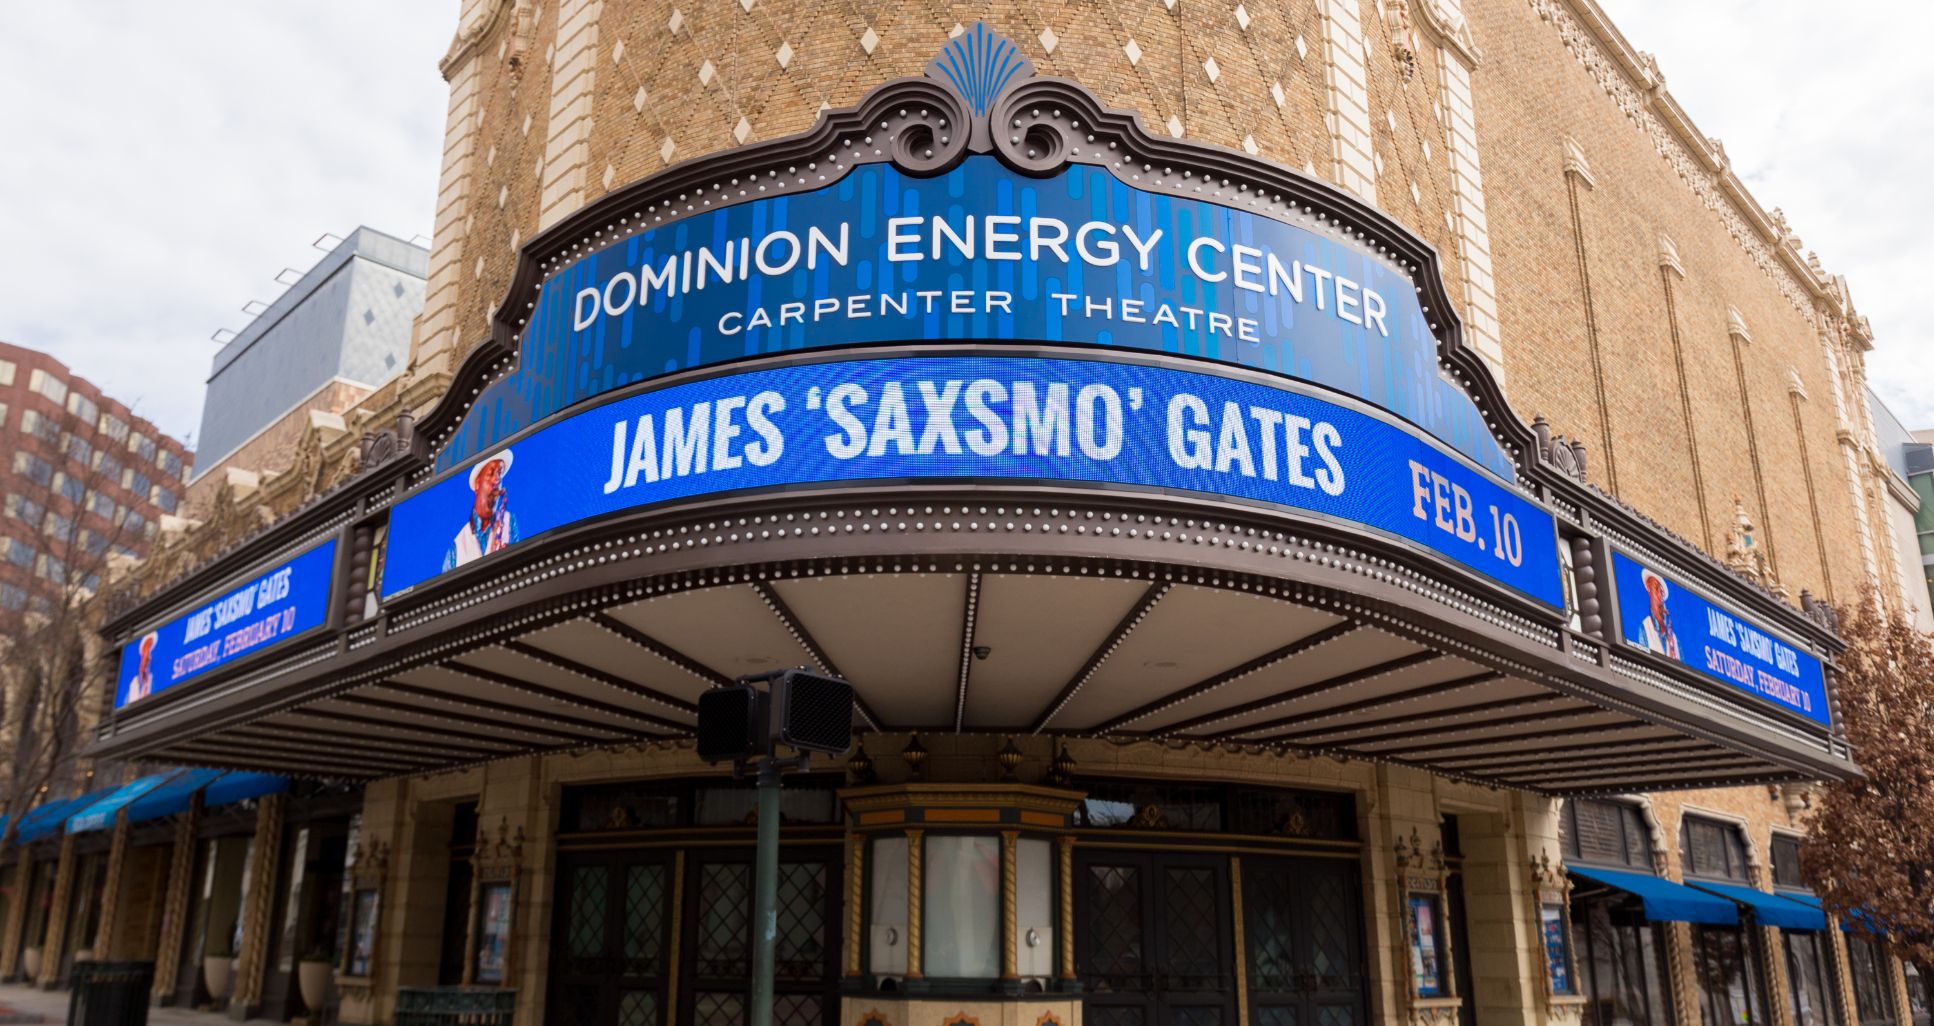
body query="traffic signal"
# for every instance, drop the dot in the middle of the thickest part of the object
(730, 727)
(814, 713)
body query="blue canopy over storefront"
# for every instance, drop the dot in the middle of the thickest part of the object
(147, 798)
(1664, 900)
(1812, 901)
(1769, 909)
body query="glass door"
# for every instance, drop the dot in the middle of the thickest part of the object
(609, 949)
(1303, 924)
(717, 941)
(1153, 943)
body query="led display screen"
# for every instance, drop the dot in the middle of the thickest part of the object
(992, 419)
(283, 602)
(1663, 616)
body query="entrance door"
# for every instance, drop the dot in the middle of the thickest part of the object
(610, 944)
(1461, 950)
(1152, 939)
(1303, 926)
(717, 939)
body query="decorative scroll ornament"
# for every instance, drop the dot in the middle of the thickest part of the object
(979, 64)
(1746, 555)
(1567, 456)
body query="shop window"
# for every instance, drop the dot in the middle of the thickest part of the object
(1867, 963)
(1621, 964)
(961, 910)
(1034, 907)
(1920, 993)
(1727, 965)
(1809, 971)
(739, 806)
(1610, 833)
(887, 908)
(1712, 849)
(1786, 862)
(1277, 812)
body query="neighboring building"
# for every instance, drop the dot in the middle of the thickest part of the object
(1238, 641)
(1909, 487)
(83, 479)
(336, 335)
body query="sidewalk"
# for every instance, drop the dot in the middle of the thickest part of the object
(21, 1004)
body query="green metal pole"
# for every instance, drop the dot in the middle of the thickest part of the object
(765, 899)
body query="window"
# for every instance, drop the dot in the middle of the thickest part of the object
(1727, 965)
(77, 449)
(1920, 993)
(3, 415)
(961, 913)
(25, 509)
(1612, 833)
(135, 525)
(7, 370)
(1276, 812)
(1867, 963)
(13, 597)
(37, 470)
(18, 553)
(48, 385)
(165, 499)
(169, 463)
(49, 568)
(70, 487)
(39, 425)
(109, 467)
(82, 407)
(1621, 959)
(1809, 969)
(1786, 862)
(1712, 849)
(114, 427)
(104, 507)
(93, 542)
(55, 527)
(139, 483)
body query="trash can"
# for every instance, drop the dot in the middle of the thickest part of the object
(455, 1006)
(110, 993)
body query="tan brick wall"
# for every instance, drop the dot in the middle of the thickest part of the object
(273, 449)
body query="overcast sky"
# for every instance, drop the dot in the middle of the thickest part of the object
(163, 161)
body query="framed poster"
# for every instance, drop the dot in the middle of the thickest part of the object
(1426, 946)
(362, 932)
(493, 933)
(1557, 939)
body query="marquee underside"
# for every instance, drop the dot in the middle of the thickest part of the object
(987, 651)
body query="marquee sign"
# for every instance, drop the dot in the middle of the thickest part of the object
(282, 603)
(1248, 437)
(983, 254)
(1662, 615)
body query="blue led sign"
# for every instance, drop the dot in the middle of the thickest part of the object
(977, 255)
(987, 419)
(1661, 615)
(285, 601)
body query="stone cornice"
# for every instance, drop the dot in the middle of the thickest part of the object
(1634, 82)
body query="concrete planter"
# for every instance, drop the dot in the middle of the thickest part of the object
(313, 979)
(218, 971)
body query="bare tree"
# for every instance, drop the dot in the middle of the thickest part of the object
(1870, 854)
(67, 517)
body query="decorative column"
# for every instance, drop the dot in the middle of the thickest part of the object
(1240, 937)
(1067, 908)
(117, 862)
(174, 904)
(10, 942)
(855, 900)
(257, 907)
(674, 953)
(56, 939)
(914, 895)
(1347, 76)
(1010, 906)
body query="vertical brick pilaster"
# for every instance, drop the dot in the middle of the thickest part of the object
(1347, 75)
(16, 924)
(574, 74)
(258, 906)
(174, 904)
(1469, 223)
(117, 864)
(56, 939)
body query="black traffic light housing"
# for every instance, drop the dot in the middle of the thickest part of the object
(806, 711)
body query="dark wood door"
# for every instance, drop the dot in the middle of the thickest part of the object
(610, 945)
(1303, 927)
(717, 939)
(1153, 943)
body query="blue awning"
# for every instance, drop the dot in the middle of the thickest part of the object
(1769, 909)
(238, 786)
(171, 797)
(53, 815)
(100, 815)
(1664, 900)
(1812, 901)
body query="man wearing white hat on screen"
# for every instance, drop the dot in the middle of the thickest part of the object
(491, 526)
(1659, 636)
